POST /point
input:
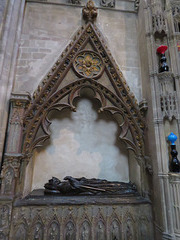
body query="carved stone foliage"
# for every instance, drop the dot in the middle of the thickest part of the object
(159, 23)
(88, 64)
(107, 3)
(50, 96)
(83, 222)
(90, 11)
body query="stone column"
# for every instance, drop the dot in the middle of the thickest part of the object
(13, 157)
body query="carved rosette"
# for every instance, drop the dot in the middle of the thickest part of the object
(9, 174)
(88, 64)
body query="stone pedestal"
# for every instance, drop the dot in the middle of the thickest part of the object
(81, 217)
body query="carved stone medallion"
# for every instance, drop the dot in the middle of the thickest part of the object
(88, 64)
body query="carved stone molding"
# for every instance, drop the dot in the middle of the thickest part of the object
(9, 174)
(83, 223)
(20, 98)
(88, 64)
(75, 1)
(49, 96)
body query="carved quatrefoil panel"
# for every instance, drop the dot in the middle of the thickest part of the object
(88, 64)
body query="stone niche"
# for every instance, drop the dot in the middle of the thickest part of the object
(83, 143)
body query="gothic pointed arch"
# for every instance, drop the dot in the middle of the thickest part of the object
(85, 63)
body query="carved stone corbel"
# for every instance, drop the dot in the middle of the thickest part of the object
(10, 173)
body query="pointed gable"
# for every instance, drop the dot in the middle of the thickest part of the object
(86, 61)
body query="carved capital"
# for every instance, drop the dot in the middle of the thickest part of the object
(20, 100)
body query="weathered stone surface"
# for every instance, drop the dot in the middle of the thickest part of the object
(76, 220)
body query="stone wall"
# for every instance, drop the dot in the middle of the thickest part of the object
(47, 30)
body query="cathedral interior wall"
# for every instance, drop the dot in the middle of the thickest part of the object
(47, 30)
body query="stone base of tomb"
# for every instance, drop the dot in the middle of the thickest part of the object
(79, 218)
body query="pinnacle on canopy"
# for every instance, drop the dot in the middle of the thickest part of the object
(89, 11)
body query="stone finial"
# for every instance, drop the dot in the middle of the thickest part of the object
(89, 11)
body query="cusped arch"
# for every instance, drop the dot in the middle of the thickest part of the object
(50, 95)
(109, 102)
